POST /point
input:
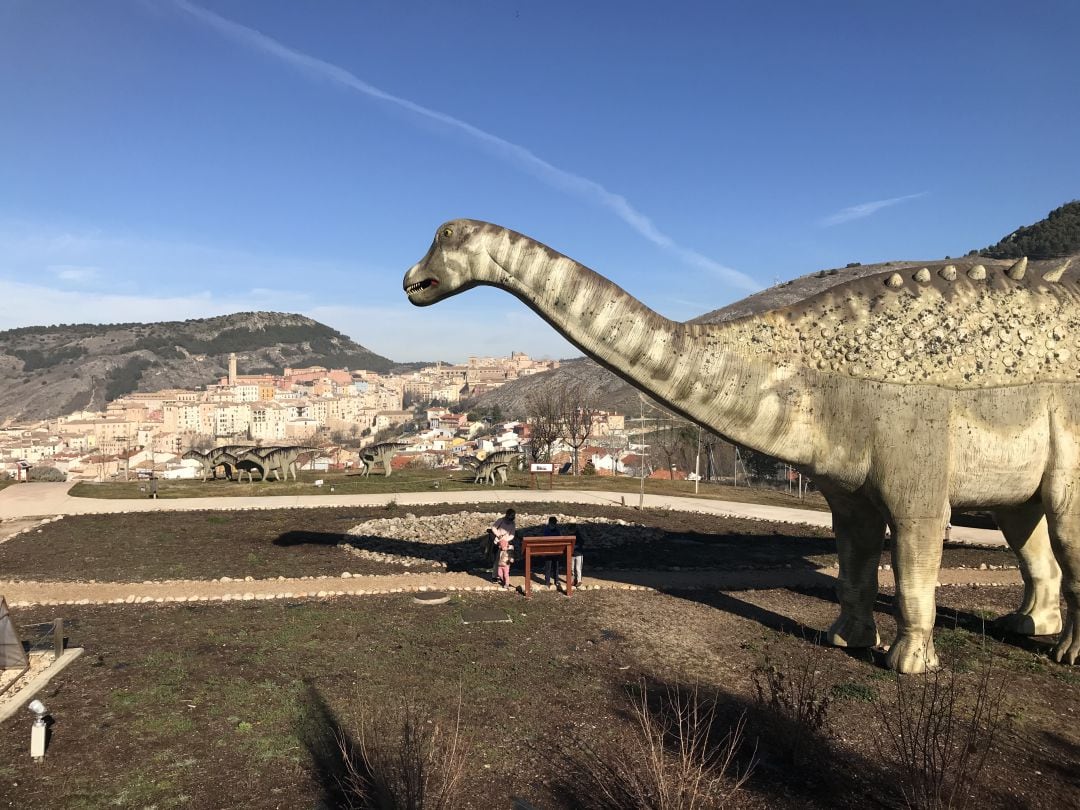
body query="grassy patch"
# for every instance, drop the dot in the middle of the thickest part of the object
(852, 690)
(426, 481)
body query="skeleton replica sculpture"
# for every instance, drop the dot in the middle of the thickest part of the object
(902, 393)
(379, 454)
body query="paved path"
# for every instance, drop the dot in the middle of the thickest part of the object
(43, 499)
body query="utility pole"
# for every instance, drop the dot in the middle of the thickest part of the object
(697, 462)
(641, 494)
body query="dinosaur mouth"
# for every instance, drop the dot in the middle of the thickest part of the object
(427, 283)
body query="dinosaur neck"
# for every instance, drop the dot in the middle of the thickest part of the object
(690, 368)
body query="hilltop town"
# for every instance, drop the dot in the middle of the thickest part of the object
(335, 411)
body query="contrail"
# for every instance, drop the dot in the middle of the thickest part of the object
(552, 175)
(866, 209)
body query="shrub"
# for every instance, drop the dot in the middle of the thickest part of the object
(796, 700)
(938, 736)
(675, 760)
(405, 759)
(45, 473)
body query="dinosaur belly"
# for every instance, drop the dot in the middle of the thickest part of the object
(999, 456)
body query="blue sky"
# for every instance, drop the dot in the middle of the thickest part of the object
(165, 160)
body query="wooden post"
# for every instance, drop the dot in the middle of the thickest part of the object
(570, 569)
(58, 637)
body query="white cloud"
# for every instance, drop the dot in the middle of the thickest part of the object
(129, 263)
(511, 152)
(866, 209)
(74, 272)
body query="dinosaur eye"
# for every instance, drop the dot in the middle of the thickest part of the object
(448, 232)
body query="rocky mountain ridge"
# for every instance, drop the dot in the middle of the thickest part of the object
(49, 371)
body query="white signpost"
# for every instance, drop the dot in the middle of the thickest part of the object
(541, 468)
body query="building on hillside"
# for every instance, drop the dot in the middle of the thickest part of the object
(385, 419)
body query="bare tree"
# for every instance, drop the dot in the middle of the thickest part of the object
(675, 438)
(579, 416)
(544, 408)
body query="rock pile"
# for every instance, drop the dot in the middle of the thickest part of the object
(457, 539)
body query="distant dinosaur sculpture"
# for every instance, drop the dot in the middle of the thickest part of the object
(241, 460)
(205, 464)
(212, 459)
(496, 463)
(379, 454)
(281, 461)
(903, 393)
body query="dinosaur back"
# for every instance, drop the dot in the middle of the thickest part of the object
(976, 324)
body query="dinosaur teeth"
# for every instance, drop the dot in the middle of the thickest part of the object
(977, 273)
(421, 285)
(895, 281)
(923, 275)
(948, 272)
(1016, 272)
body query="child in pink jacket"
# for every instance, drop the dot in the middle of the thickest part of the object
(503, 561)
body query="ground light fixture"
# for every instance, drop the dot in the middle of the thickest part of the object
(37, 730)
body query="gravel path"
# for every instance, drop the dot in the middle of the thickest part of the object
(22, 593)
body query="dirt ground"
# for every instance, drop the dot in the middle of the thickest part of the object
(238, 705)
(241, 704)
(263, 544)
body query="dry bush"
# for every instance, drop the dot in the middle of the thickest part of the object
(938, 735)
(795, 701)
(675, 760)
(404, 759)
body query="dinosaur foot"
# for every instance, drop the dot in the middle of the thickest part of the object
(847, 631)
(1034, 622)
(1067, 650)
(912, 656)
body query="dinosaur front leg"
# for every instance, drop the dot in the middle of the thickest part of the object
(916, 561)
(1025, 530)
(860, 534)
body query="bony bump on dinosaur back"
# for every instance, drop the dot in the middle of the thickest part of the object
(905, 391)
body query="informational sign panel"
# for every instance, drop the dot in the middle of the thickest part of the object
(541, 468)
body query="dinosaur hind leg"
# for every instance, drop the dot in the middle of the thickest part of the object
(860, 534)
(1064, 526)
(1025, 530)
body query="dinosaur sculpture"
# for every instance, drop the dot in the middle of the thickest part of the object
(241, 460)
(497, 463)
(281, 461)
(902, 393)
(204, 460)
(379, 454)
(210, 461)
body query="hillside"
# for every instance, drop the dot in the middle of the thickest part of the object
(608, 391)
(1056, 236)
(47, 371)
